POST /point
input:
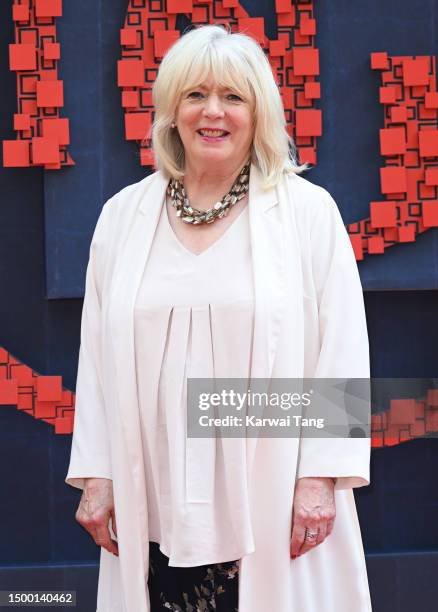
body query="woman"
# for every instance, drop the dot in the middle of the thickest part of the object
(254, 278)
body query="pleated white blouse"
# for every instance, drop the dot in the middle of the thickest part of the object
(194, 317)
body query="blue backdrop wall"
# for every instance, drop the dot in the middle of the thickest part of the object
(46, 221)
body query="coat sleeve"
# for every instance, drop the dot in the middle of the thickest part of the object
(343, 344)
(90, 456)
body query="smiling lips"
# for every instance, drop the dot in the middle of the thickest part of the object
(213, 133)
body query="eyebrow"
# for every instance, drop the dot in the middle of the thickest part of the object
(200, 86)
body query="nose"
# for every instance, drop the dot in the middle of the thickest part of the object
(213, 106)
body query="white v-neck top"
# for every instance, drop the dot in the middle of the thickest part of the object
(194, 317)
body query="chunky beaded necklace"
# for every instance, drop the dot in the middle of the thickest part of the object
(195, 216)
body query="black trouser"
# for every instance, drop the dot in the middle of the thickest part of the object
(184, 589)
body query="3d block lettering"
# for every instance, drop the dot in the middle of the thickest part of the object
(405, 420)
(409, 146)
(42, 397)
(40, 94)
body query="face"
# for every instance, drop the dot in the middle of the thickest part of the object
(215, 125)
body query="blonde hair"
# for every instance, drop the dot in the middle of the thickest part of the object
(235, 61)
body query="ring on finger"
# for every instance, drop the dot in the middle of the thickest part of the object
(310, 535)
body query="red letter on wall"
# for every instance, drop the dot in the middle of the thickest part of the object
(42, 135)
(409, 146)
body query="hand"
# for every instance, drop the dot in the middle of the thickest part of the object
(95, 510)
(314, 508)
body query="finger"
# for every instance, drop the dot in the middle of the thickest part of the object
(103, 538)
(90, 528)
(309, 543)
(297, 537)
(113, 522)
(322, 532)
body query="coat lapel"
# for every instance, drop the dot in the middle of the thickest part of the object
(127, 275)
(268, 260)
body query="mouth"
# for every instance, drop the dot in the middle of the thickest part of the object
(213, 135)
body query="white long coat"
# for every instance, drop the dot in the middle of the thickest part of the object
(309, 322)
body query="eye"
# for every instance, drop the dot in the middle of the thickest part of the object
(234, 98)
(194, 94)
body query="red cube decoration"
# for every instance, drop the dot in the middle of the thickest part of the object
(49, 388)
(22, 56)
(356, 243)
(308, 122)
(8, 392)
(283, 6)
(45, 151)
(376, 245)
(307, 25)
(379, 61)
(430, 213)
(179, 6)
(130, 73)
(45, 410)
(129, 99)
(20, 12)
(312, 90)
(287, 19)
(137, 125)
(388, 95)
(48, 8)
(64, 425)
(392, 141)
(383, 214)
(432, 398)
(56, 129)
(50, 93)
(305, 61)
(402, 411)
(431, 176)
(393, 179)
(163, 40)
(21, 121)
(428, 143)
(128, 37)
(52, 51)
(147, 157)
(277, 48)
(399, 114)
(16, 153)
(415, 71)
(406, 233)
(253, 26)
(431, 99)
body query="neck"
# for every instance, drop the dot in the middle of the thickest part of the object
(205, 186)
